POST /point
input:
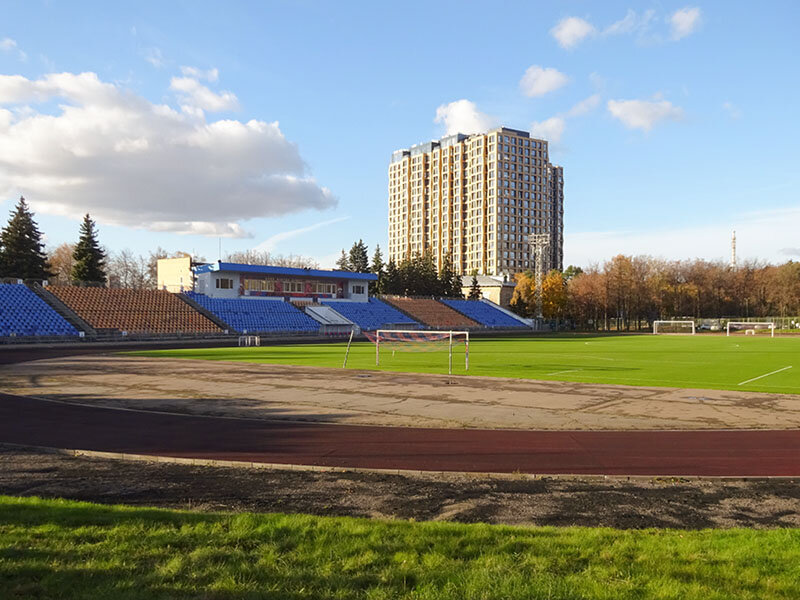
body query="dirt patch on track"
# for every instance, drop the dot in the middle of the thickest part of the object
(263, 391)
(588, 502)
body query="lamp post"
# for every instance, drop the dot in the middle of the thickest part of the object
(539, 242)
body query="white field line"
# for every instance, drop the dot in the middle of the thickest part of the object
(765, 375)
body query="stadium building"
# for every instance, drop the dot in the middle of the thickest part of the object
(477, 198)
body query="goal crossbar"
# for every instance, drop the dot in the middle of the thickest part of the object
(752, 325)
(405, 338)
(667, 322)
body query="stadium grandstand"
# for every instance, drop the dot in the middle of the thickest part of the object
(23, 313)
(257, 315)
(432, 313)
(372, 315)
(486, 313)
(134, 311)
(200, 300)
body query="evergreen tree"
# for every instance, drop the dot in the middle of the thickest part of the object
(359, 259)
(21, 249)
(450, 281)
(90, 259)
(343, 264)
(475, 289)
(377, 268)
(391, 279)
(427, 279)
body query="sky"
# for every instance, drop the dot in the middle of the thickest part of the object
(196, 126)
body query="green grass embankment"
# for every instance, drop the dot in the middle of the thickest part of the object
(63, 549)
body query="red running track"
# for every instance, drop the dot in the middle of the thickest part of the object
(706, 453)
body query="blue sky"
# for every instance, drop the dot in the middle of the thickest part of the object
(271, 124)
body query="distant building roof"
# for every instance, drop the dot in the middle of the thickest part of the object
(270, 270)
(486, 281)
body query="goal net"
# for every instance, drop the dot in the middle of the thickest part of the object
(673, 327)
(249, 340)
(398, 340)
(750, 328)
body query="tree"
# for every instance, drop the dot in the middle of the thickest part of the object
(377, 268)
(474, 289)
(427, 281)
(90, 259)
(128, 270)
(343, 264)
(359, 260)
(391, 283)
(21, 249)
(572, 271)
(450, 281)
(554, 295)
(523, 302)
(256, 257)
(61, 262)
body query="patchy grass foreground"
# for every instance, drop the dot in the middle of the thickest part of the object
(64, 549)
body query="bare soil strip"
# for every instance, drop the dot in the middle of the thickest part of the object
(670, 503)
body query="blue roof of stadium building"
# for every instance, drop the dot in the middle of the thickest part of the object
(298, 272)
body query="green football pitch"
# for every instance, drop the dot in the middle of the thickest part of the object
(703, 361)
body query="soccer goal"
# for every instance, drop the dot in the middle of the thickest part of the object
(673, 327)
(750, 328)
(249, 340)
(398, 340)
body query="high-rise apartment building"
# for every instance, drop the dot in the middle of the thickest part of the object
(478, 198)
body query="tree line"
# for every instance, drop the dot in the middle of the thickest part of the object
(413, 276)
(630, 292)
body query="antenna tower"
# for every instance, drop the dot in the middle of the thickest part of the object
(733, 249)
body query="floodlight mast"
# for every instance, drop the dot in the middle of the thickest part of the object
(538, 243)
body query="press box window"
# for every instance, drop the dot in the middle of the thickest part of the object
(358, 289)
(224, 284)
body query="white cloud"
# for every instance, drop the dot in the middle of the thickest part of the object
(129, 162)
(550, 129)
(211, 75)
(538, 81)
(194, 93)
(463, 116)
(732, 110)
(684, 22)
(644, 114)
(584, 106)
(272, 242)
(571, 31)
(154, 57)
(9, 45)
(766, 235)
(631, 23)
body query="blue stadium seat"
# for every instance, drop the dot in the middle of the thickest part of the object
(370, 315)
(23, 313)
(257, 315)
(485, 314)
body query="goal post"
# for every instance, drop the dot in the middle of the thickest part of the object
(249, 340)
(405, 340)
(749, 326)
(680, 327)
